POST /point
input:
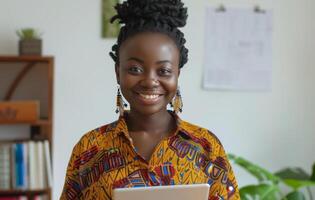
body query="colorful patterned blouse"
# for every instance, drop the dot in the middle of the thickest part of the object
(105, 158)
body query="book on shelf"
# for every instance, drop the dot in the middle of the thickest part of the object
(13, 166)
(40, 165)
(25, 166)
(48, 164)
(20, 165)
(32, 165)
(5, 169)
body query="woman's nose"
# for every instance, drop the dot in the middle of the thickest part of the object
(150, 80)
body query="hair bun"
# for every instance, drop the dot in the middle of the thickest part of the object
(170, 12)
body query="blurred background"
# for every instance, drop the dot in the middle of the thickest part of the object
(274, 129)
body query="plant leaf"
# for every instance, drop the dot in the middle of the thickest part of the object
(28, 33)
(260, 173)
(261, 192)
(296, 184)
(293, 173)
(295, 195)
(313, 173)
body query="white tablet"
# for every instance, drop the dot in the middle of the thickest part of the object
(173, 192)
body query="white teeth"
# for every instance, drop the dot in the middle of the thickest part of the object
(153, 96)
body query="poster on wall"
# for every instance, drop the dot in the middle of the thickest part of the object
(109, 30)
(238, 49)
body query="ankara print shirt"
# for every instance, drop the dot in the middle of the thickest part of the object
(105, 159)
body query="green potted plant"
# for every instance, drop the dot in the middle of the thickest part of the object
(30, 42)
(269, 184)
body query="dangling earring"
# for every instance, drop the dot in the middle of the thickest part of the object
(120, 104)
(177, 103)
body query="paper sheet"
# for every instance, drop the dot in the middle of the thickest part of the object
(238, 49)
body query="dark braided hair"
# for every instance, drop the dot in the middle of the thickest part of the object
(163, 16)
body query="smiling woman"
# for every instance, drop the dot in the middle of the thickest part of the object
(148, 145)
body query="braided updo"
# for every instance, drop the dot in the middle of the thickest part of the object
(163, 16)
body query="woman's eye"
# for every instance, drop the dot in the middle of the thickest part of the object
(165, 72)
(135, 70)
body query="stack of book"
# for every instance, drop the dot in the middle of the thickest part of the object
(25, 166)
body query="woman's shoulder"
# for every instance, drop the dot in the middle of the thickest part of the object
(199, 132)
(102, 131)
(207, 139)
(96, 138)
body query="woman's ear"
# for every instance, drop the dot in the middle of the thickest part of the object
(117, 73)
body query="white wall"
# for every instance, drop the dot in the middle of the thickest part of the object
(274, 129)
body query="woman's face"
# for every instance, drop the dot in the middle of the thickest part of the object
(148, 71)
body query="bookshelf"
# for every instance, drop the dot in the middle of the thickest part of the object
(28, 78)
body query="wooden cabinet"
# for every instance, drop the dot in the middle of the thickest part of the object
(28, 78)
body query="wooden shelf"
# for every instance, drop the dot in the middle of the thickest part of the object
(41, 122)
(41, 128)
(23, 192)
(14, 58)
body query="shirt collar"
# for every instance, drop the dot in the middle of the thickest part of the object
(120, 127)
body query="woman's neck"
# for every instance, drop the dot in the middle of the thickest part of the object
(161, 122)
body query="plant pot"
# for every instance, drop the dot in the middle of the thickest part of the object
(30, 47)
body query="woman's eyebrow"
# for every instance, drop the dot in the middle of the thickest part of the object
(136, 59)
(163, 61)
(141, 61)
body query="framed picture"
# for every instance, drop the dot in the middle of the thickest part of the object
(109, 30)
